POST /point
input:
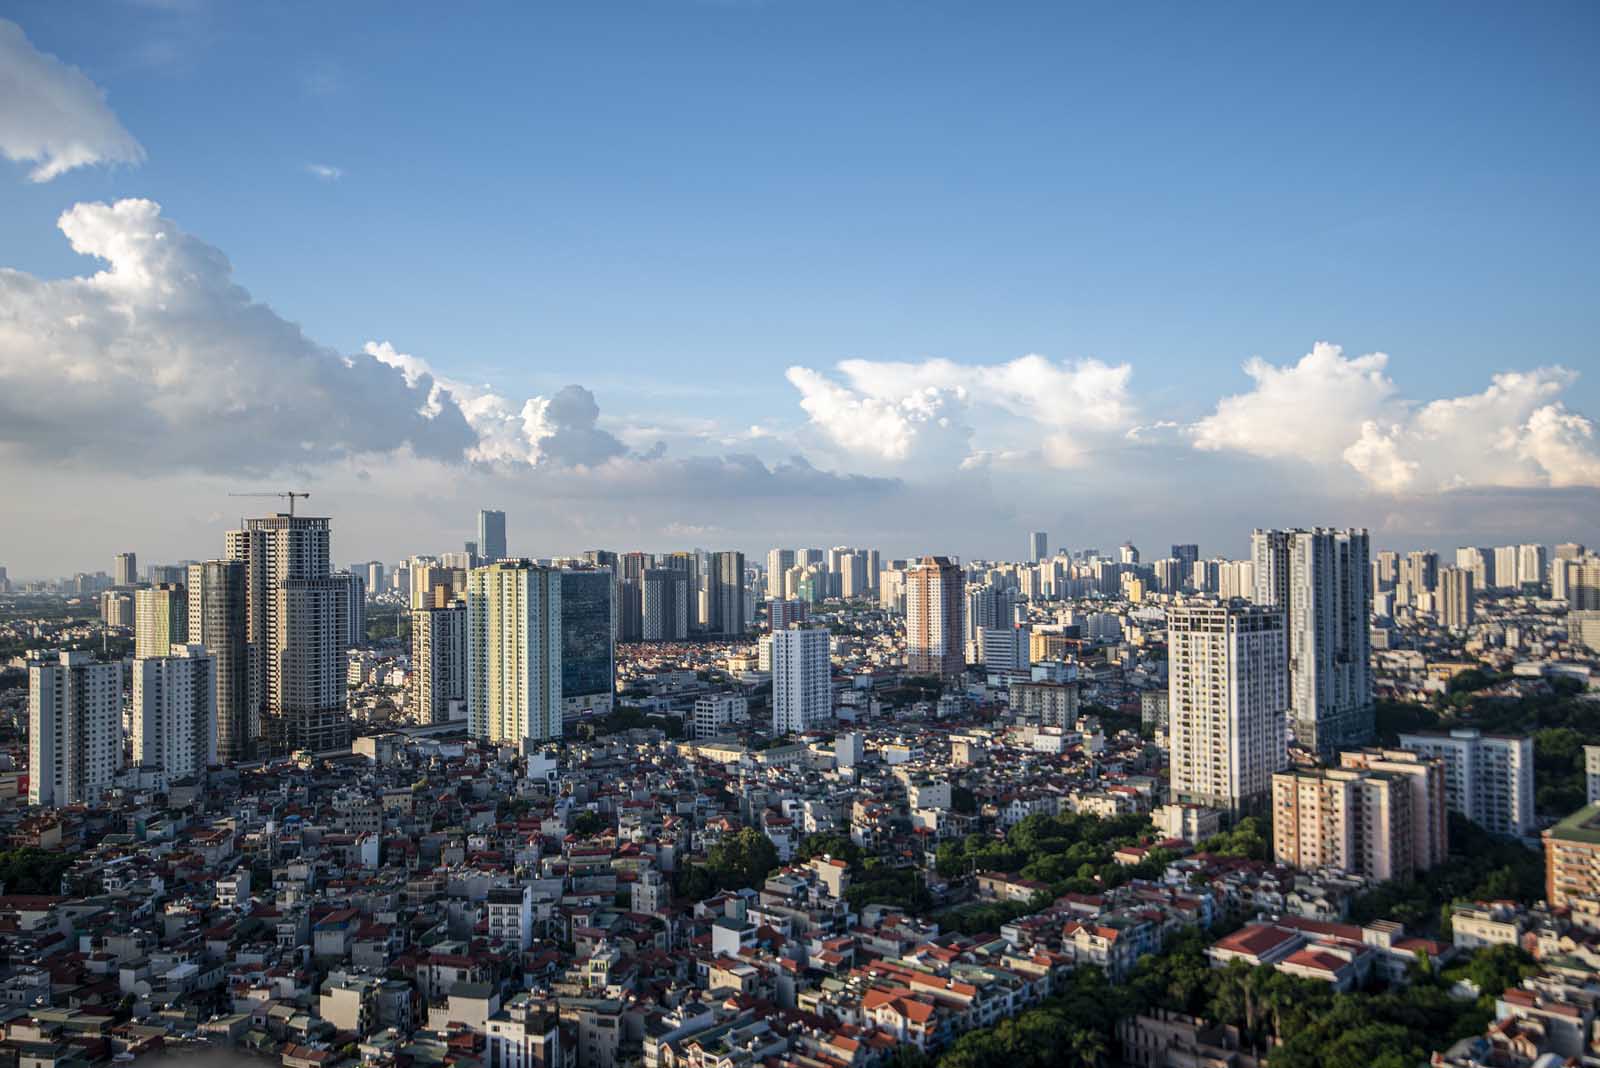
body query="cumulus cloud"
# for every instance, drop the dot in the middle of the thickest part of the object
(161, 359)
(52, 115)
(562, 430)
(1030, 407)
(1335, 410)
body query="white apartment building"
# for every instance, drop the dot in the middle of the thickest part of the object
(802, 679)
(74, 729)
(715, 713)
(1488, 777)
(1591, 768)
(1227, 701)
(514, 653)
(175, 711)
(438, 663)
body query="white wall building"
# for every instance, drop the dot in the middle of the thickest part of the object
(1488, 777)
(715, 713)
(175, 711)
(802, 679)
(1227, 702)
(74, 729)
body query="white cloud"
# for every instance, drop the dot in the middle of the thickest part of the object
(52, 115)
(979, 414)
(325, 171)
(159, 360)
(1328, 409)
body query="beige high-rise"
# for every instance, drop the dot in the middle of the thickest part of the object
(160, 619)
(935, 606)
(514, 653)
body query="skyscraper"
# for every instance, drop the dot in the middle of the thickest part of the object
(1455, 598)
(439, 661)
(588, 652)
(802, 679)
(125, 570)
(514, 653)
(175, 711)
(74, 729)
(1227, 703)
(1323, 581)
(1482, 563)
(725, 595)
(292, 616)
(1532, 562)
(630, 596)
(664, 605)
(1186, 554)
(492, 535)
(352, 623)
(160, 619)
(217, 620)
(935, 606)
(1038, 546)
(779, 561)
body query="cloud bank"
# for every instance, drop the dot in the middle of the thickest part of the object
(52, 115)
(1027, 409)
(1337, 411)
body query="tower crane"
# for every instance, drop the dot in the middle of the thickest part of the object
(289, 494)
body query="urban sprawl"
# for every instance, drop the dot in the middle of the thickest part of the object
(1324, 804)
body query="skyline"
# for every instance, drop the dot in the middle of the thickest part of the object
(692, 351)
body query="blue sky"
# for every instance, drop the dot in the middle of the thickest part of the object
(672, 203)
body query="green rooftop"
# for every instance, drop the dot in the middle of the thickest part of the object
(1582, 826)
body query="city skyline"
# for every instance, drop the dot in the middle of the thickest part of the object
(1059, 338)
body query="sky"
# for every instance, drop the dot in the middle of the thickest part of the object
(732, 274)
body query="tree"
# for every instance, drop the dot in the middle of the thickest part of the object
(743, 859)
(589, 823)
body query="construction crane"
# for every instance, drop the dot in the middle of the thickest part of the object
(290, 494)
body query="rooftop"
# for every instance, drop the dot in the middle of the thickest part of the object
(1582, 826)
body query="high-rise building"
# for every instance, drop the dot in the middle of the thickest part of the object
(1323, 581)
(74, 729)
(1358, 820)
(160, 619)
(1186, 554)
(175, 711)
(935, 609)
(987, 606)
(588, 658)
(1591, 772)
(664, 605)
(630, 596)
(725, 595)
(116, 608)
(352, 623)
(1426, 775)
(1128, 553)
(374, 576)
(1488, 777)
(780, 614)
(802, 679)
(853, 583)
(1505, 567)
(217, 620)
(1455, 598)
(514, 643)
(1227, 703)
(874, 568)
(125, 570)
(1577, 581)
(439, 661)
(1385, 570)
(1038, 545)
(293, 615)
(1420, 569)
(779, 561)
(1480, 562)
(1572, 862)
(491, 535)
(1532, 563)
(1005, 648)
